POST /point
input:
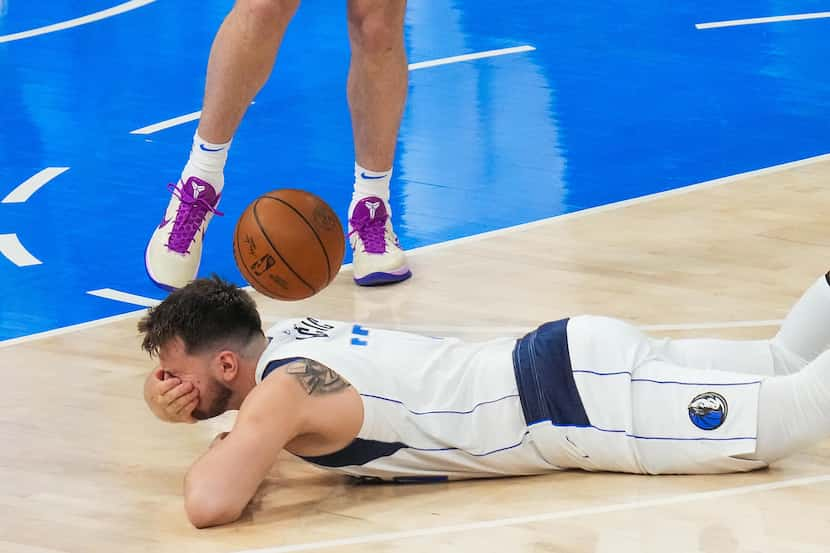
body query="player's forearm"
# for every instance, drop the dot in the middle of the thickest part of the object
(205, 508)
(221, 483)
(216, 490)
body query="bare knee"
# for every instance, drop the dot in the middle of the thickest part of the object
(376, 26)
(269, 12)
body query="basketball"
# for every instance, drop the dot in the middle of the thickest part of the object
(289, 244)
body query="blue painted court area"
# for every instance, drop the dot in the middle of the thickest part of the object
(618, 100)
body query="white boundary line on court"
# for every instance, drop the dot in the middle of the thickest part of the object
(69, 329)
(168, 123)
(182, 119)
(383, 537)
(507, 230)
(514, 330)
(760, 20)
(468, 57)
(14, 251)
(712, 326)
(78, 21)
(124, 297)
(625, 203)
(31, 185)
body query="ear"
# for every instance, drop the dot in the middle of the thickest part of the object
(228, 365)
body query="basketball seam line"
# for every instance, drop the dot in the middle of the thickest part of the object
(276, 251)
(316, 235)
(244, 267)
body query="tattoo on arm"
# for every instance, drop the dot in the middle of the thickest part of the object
(317, 378)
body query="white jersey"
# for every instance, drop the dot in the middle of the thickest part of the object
(433, 408)
(589, 392)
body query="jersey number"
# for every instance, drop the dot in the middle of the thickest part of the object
(357, 332)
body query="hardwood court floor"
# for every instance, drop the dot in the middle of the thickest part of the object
(85, 468)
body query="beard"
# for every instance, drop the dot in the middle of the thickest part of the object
(219, 404)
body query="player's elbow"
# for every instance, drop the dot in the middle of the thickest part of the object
(205, 508)
(206, 512)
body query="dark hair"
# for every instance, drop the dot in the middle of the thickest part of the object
(208, 312)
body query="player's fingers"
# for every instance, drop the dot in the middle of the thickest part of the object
(186, 414)
(186, 407)
(162, 389)
(190, 407)
(180, 402)
(164, 386)
(178, 391)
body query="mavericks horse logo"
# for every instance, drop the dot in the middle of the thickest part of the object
(708, 411)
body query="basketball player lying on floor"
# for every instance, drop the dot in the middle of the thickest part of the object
(588, 393)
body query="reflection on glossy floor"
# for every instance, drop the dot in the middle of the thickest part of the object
(85, 468)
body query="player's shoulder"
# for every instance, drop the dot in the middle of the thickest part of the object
(274, 410)
(292, 387)
(276, 394)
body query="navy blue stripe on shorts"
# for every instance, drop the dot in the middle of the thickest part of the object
(547, 390)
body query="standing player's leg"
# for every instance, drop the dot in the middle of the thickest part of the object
(377, 86)
(241, 60)
(804, 334)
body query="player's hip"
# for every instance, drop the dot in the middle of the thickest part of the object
(595, 395)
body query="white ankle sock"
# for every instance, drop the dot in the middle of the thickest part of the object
(207, 161)
(370, 183)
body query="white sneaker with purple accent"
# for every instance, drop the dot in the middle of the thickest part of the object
(174, 252)
(377, 255)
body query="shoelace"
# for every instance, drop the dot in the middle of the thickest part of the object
(372, 232)
(189, 218)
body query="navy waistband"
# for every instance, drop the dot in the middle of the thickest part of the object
(544, 375)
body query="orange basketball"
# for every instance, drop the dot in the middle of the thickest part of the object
(289, 244)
